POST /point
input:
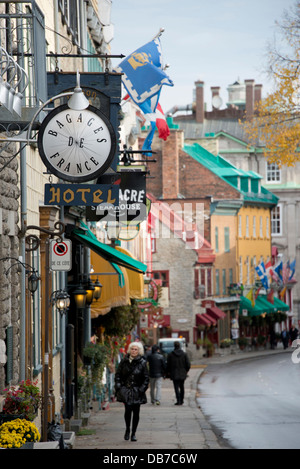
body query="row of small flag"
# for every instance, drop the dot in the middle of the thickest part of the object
(281, 273)
(143, 77)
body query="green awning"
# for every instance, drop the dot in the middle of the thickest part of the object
(262, 305)
(268, 307)
(252, 310)
(86, 237)
(280, 305)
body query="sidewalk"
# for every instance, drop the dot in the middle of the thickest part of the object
(166, 426)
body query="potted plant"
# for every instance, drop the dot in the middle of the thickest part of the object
(261, 339)
(18, 433)
(95, 356)
(242, 341)
(22, 400)
(208, 345)
(225, 343)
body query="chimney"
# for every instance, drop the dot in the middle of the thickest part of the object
(199, 101)
(170, 165)
(257, 94)
(249, 97)
(215, 90)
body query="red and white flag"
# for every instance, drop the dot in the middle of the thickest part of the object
(160, 120)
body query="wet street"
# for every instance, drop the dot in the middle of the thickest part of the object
(254, 403)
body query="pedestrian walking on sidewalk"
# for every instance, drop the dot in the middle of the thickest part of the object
(131, 383)
(157, 371)
(285, 338)
(178, 365)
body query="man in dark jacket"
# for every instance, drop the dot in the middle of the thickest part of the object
(178, 365)
(157, 370)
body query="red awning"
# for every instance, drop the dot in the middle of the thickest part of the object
(204, 320)
(216, 312)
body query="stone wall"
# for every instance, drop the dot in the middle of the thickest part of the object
(173, 256)
(9, 247)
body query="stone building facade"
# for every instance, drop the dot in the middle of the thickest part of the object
(9, 276)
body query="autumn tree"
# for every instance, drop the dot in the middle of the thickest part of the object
(276, 123)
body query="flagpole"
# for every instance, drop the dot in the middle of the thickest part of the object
(159, 33)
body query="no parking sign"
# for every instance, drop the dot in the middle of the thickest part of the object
(60, 255)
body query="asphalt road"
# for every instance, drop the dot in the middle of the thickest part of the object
(254, 403)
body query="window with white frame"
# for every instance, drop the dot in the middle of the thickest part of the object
(217, 282)
(240, 225)
(268, 227)
(226, 239)
(254, 226)
(248, 269)
(241, 269)
(247, 226)
(273, 173)
(276, 220)
(260, 227)
(216, 239)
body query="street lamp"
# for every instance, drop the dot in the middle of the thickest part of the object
(113, 231)
(61, 299)
(90, 288)
(98, 289)
(78, 101)
(80, 297)
(33, 281)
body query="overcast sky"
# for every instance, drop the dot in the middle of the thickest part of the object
(216, 41)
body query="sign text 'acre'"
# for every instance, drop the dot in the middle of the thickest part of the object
(81, 194)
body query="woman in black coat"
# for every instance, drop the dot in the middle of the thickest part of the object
(131, 383)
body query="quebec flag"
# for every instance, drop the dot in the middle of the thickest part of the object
(143, 76)
(262, 274)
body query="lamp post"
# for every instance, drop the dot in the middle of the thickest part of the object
(34, 243)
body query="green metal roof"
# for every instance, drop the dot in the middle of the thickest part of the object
(225, 170)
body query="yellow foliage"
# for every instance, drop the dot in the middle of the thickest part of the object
(276, 123)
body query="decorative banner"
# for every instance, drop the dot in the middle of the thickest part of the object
(81, 194)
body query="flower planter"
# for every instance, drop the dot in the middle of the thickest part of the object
(4, 417)
(28, 445)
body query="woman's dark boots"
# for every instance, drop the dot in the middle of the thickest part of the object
(127, 433)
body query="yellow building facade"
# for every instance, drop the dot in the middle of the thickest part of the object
(253, 241)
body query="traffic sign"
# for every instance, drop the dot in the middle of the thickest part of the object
(60, 255)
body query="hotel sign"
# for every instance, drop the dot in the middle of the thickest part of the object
(81, 194)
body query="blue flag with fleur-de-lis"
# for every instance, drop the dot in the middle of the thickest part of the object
(143, 75)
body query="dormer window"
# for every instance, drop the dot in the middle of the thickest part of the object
(273, 173)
